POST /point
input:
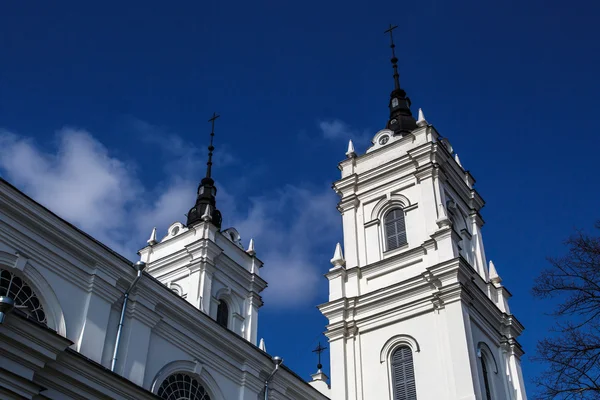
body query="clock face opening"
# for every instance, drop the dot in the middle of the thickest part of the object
(384, 139)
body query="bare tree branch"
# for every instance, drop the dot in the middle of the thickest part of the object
(572, 354)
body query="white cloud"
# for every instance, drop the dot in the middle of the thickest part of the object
(294, 227)
(80, 182)
(334, 129)
(294, 230)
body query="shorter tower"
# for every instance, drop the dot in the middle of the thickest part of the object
(207, 266)
(414, 312)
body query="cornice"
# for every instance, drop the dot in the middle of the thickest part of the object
(49, 228)
(349, 202)
(30, 342)
(79, 377)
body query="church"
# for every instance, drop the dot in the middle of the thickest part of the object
(415, 309)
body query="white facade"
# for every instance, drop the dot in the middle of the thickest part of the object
(433, 294)
(169, 326)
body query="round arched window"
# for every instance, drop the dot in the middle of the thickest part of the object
(23, 295)
(181, 386)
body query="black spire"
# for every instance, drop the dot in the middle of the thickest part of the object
(401, 119)
(207, 191)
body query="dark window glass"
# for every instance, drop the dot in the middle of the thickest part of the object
(395, 230)
(182, 387)
(24, 297)
(222, 314)
(486, 379)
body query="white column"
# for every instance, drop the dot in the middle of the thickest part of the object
(206, 287)
(459, 352)
(338, 369)
(95, 325)
(350, 240)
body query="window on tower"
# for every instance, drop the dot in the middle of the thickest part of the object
(395, 229)
(403, 374)
(486, 379)
(222, 314)
(394, 102)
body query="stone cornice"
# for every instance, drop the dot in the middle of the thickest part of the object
(29, 342)
(76, 376)
(438, 286)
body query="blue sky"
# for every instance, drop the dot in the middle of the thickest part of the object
(109, 102)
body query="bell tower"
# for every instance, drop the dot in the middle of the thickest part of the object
(414, 310)
(207, 266)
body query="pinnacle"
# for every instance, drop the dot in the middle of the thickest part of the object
(421, 121)
(350, 153)
(251, 250)
(493, 274)
(207, 214)
(152, 241)
(338, 257)
(457, 160)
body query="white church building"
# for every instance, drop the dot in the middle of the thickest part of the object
(415, 310)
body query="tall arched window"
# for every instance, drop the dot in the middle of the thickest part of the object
(23, 295)
(395, 230)
(222, 314)
(403, 374)
(486, 378)
(182, 386)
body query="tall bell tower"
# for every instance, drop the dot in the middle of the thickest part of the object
(415, 311)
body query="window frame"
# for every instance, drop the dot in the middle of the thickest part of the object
(193, 378)
(385, 223)
(222, 301)
(394, 381)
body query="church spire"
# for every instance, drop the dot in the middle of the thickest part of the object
(401, 119)
(207, 191)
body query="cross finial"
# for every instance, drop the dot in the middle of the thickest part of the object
(319, 349)
(394, 58)
(211, 147)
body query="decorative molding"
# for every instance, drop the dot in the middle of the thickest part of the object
(396, 341)
(482, 347)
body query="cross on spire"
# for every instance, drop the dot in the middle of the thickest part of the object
(319, 349)
(211, 147)
(394, 58)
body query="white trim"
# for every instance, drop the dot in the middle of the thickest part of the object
(395, 342)
(386, 204)
(482, 346)
(388, 349)
(55, 318)
(195, 369)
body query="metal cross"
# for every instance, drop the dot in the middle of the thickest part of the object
(394, 58)
(390, 31)
(319, 349)
(211, 147)
(212, 131)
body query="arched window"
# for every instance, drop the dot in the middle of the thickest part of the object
(222, 314)
(181, 386)
(395, 230)
(486, 378)
(403, 374)
(23, 295)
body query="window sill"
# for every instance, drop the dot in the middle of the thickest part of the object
(400, 249)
